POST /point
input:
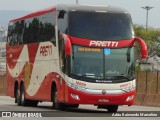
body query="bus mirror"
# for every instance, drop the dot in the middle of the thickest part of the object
(61, 14)
(67, 44)
(144, 52)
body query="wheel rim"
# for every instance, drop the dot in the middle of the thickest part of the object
(18, 95)
(55, 97)
(22, 95)
(22, 98)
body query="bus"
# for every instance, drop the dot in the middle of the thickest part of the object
(71, 55)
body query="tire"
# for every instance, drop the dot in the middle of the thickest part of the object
(112, 108)
(56, 105)
(23, 101)
(17, 97)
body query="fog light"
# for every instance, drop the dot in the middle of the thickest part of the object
(75, 96)
(129, 98)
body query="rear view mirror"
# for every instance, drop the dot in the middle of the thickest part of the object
(61, 14)
(68, 47)
(144, 51)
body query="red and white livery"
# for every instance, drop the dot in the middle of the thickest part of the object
(71, 55)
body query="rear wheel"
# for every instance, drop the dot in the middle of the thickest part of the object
(17, 97)
(21, 98)
(23, 101)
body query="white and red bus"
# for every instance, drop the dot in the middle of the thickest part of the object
(71, 55)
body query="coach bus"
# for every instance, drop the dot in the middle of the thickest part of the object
(71, 55)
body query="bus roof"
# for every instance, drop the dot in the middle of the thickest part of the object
(81, 7)
(37, 13)
(73, 7)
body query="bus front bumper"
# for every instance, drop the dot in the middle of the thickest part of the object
(79, 97)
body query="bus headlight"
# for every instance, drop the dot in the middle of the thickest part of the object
(128, 89)
(76, 87)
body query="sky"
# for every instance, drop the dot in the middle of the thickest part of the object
(133, 6)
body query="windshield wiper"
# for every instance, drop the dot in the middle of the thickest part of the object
(124, 76)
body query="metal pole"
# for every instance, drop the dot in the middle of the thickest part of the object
(147, 8)
(76, 1)
(147, 20)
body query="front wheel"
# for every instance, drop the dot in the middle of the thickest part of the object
(57, 105)
(112, 108)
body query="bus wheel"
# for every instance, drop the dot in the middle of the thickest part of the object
(112, 108)
(23, 101)
(57, 105)
(17, 97)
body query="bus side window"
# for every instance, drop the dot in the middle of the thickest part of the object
(9, 36)
(46, 28)
(12, 34)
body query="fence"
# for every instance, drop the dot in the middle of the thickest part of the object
(3, 85)
(148, 88)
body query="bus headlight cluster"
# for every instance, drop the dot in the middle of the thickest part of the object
(128, 89)
(76, 87)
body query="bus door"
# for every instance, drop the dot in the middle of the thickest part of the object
(62, 28)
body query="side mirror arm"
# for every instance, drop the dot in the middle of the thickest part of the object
(144, 51)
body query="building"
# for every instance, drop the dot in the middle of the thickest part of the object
(3, 38)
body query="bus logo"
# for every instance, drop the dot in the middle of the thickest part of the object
(104, 92)
(46, 50)
(103, 43)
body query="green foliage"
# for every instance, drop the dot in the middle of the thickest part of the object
(137, 68)
(150, 36)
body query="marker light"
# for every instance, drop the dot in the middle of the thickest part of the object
(75, 96)
(129, 98)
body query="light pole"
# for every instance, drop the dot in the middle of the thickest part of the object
(147, 8)
(76, 1)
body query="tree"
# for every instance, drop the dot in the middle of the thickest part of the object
(151, 37)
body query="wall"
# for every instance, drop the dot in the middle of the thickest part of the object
(148, 88)
(3, 85)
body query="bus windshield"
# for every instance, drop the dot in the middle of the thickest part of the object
(100, 25)
(102, 63)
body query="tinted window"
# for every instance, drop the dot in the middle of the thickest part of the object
(40, 29)
(15, 33)
(32, 30)
(100, 25)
